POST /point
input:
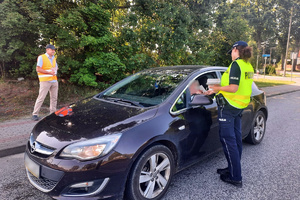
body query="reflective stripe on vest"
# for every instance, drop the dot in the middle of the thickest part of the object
(48, 67)
(241, 98)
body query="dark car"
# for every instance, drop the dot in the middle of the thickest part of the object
(129, 140)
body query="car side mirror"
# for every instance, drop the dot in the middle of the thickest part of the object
(200, 99)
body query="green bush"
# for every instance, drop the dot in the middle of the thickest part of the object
(270, 69)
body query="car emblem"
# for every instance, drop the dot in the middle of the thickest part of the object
(32, 149)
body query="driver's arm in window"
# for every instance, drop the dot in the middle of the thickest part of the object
(194, 88)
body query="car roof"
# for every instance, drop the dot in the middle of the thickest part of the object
(188, 67)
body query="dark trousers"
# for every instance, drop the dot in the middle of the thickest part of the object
(231, 138)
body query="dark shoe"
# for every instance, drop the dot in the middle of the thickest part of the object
(35, 118)
(226, 178)
(223, 171)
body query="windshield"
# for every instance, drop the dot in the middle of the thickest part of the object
(147, 88)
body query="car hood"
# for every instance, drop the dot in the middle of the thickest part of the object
(87, 119)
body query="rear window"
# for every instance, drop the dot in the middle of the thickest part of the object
(255, 90)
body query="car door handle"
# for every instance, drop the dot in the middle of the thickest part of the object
(181, 127)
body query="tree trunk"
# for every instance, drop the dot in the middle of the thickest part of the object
(2, 68)
(295, 60)
(258, 42)
(282, 61)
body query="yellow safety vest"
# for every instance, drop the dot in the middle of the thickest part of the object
(48, 67)
(241, 98)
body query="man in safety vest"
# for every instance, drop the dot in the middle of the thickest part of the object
(46, 70)
(233, 95)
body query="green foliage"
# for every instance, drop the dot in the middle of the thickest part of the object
(85, 44)
(261, 16)
(269, 21)
(19, 25)
(283, 13)
(270, 69)
(100, 42)
(230, 26)
(162, 33)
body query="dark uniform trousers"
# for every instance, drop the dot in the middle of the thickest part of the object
(231, 138)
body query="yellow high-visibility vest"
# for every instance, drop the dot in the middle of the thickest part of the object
(241, 98)
(48, 67)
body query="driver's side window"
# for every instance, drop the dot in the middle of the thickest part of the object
(194, 86)
(203, 79)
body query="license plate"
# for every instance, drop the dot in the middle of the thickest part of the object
(32, 167)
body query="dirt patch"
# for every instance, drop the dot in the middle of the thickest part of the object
(17, 98)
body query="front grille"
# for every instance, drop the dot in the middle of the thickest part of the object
(43, 184)
(39, 149)
(41, 155)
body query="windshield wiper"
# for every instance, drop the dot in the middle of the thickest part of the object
(114, 99)
(111, 98)
(135, 103)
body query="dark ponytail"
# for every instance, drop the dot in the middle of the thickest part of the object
(245, 52)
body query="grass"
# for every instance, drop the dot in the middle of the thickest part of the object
(17, 99)
(270, 83)
(289, 75)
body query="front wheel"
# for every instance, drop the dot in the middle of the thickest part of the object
(258, 129)
(151, 175)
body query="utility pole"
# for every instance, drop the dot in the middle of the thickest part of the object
(271, 54)
(287, 44)
(263, 46)
(257, 71)
(265, 56)
(294, 57)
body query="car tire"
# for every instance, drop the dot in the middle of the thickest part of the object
(258, 129)
(151, 174)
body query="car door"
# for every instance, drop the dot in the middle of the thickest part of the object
(212, 141)
(197, 126)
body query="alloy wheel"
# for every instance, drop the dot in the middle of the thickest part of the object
(259, 127)
(155, 175)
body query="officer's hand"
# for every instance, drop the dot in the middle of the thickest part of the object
(215, 88)
(209, 92)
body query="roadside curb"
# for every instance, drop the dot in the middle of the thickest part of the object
(281, 93)
(12, 151)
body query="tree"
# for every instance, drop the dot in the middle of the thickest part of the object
(99, 42)
(20, 23)
(84, 40)
(261, 18)
(283, 13)
(229, 26)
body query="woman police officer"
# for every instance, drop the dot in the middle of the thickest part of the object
(233, 95)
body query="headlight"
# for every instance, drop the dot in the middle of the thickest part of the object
(91, 149)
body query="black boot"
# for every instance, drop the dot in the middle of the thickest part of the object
(223, 171)
(226, 178)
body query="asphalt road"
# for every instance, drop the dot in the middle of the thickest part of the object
(271, 169)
